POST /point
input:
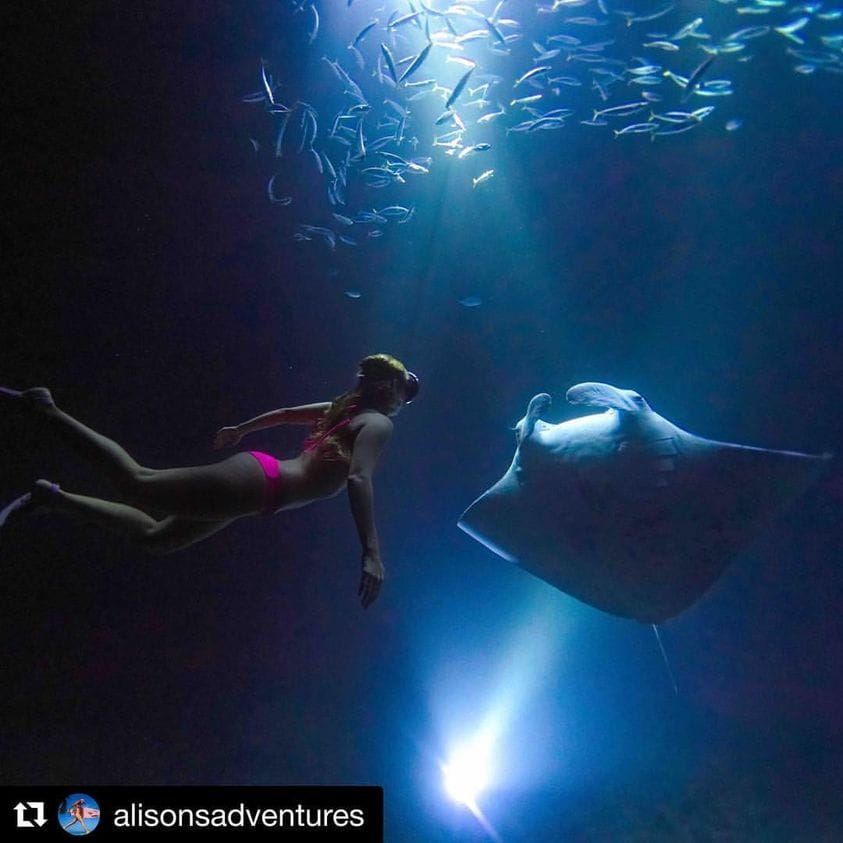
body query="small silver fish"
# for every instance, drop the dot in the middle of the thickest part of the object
(462, 61)
(636, 129)
(526, 100)
(364, 32)
(270, 192)
(477, 147)
(390, 62)
(315, 30)
(403, 19)
(620, 110)
(530, 74)
(492, 115)
(585, 21)
(789, 30)
(266, 84)
(458, 88)
(394, 211)
(416, 63)
(645, 70)
(495, 32)
(279, 140)
(747, 33)
(694, 78)
(645, 80)
(361, 145)
(687, 30)
(483, 177)
(681, 130)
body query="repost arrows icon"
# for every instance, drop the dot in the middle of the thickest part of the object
(21, 809)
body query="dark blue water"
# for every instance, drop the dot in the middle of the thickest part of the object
(149, 282)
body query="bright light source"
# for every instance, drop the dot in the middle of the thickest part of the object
(467, 773)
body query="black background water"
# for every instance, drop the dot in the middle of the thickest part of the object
(148, 282)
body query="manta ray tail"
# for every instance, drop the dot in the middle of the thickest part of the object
(666, 662)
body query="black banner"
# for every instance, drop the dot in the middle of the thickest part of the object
(306, 814)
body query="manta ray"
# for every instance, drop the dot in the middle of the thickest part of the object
(625, 511)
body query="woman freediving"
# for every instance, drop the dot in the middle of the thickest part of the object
(77, 812)
(347, 437)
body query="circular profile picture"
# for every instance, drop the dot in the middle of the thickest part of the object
(79, 814)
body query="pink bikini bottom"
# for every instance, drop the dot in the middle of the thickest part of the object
(274, 483)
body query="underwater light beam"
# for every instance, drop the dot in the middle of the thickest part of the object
(467, 773)
(471, 768)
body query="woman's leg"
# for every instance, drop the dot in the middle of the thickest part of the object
(105, 454)
(157, 537)
(216, 492)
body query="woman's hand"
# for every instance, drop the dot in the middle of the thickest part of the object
(227, 437)
(371, 580)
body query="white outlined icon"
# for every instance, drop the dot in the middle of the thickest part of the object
(25, 810)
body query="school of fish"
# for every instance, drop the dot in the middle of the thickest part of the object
(421, 82)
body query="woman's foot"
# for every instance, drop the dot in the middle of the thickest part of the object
(37, 398)
(44, 492)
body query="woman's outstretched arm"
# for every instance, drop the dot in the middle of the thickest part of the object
(368, 445)
(304, 414)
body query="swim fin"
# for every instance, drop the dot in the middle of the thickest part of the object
(17, 507)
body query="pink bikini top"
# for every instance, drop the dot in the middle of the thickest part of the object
(313, 442)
